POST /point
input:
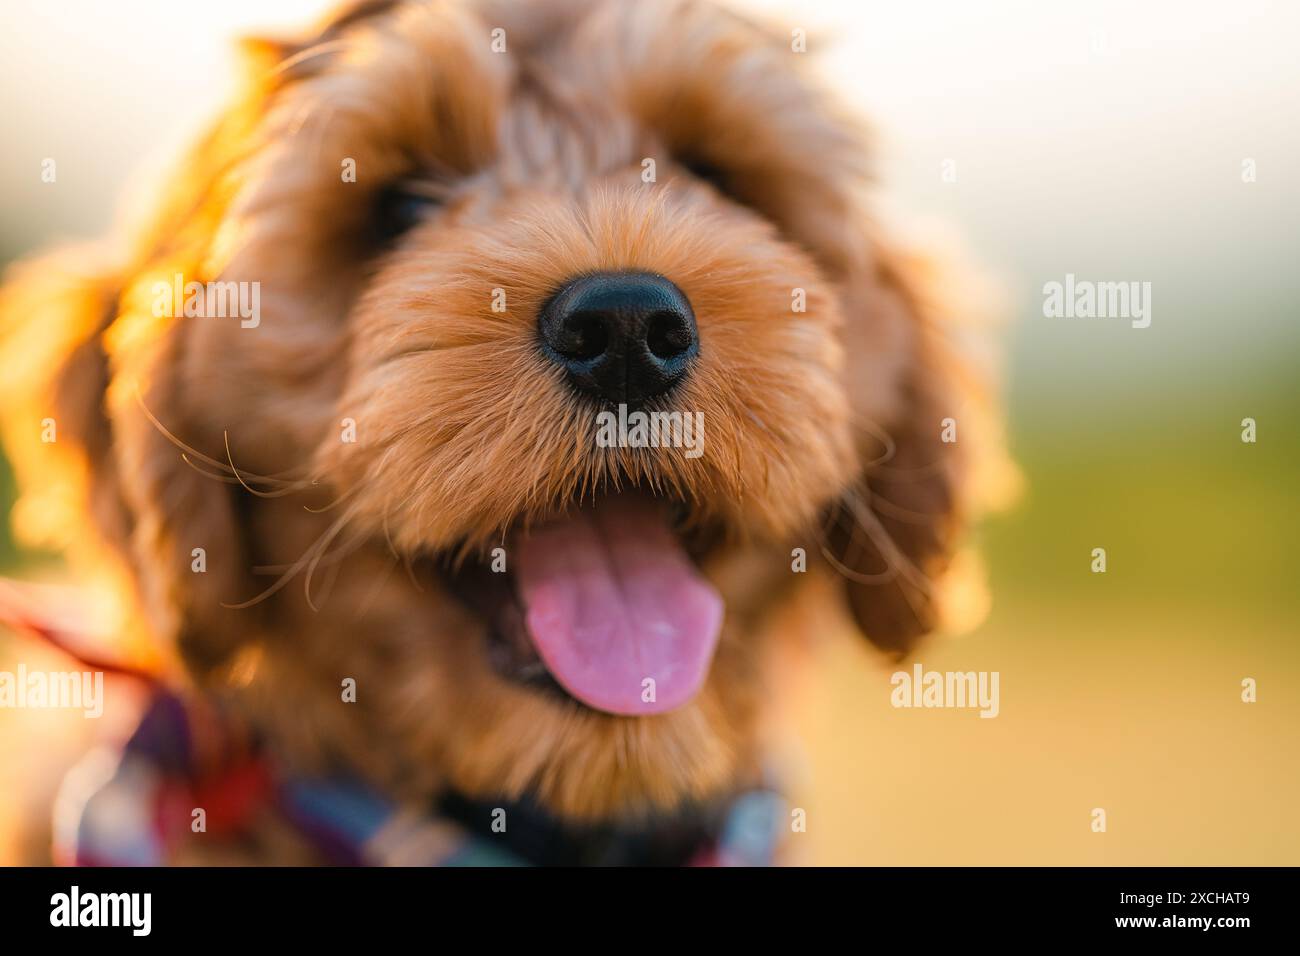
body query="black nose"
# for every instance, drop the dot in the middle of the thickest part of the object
(621, 336)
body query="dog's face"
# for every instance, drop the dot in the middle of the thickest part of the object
(475, 229)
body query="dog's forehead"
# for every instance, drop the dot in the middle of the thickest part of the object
(604, 45)
(563, 142)
(596, 85)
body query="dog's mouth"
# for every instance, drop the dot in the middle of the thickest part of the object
(604, 604)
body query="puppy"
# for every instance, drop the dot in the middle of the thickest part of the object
(356, 417)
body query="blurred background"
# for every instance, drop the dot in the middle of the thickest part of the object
(1102, 139)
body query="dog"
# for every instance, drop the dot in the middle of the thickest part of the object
(334, 416)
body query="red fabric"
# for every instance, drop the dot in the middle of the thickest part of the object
(230, 799)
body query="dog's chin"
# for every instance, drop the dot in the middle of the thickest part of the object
(601, 607)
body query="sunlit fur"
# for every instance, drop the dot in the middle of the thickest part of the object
(822, 426)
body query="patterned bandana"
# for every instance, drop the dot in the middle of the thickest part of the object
(135, 808)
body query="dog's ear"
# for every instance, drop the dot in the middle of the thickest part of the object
(187, 543)
(166, 397)
(893, 534)
(84, 445)
(81, 348)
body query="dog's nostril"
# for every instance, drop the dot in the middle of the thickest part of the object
(623, 337)
(583, 337)
(667, 335)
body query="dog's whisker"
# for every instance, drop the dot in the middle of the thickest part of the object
(341, 498)
(344, 551)
(308, 556)
(333, 563)
(289, 489)
(162, 430)
(900, 513)
(333, 504)
(327, 585)
(225, 479)
(879, 577)
(880, 465)
(863, 424)
(845, 515)
(304, 56)
(869, 521)
(194, 453)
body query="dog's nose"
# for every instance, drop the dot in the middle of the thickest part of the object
(621, 336)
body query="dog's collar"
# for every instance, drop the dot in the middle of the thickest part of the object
(352, 824)
(144, 809)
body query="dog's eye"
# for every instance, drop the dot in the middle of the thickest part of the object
(400, 208)
(710, 173)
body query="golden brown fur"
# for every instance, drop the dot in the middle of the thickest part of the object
(823, 426)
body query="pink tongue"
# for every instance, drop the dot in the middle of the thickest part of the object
(613, 603)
